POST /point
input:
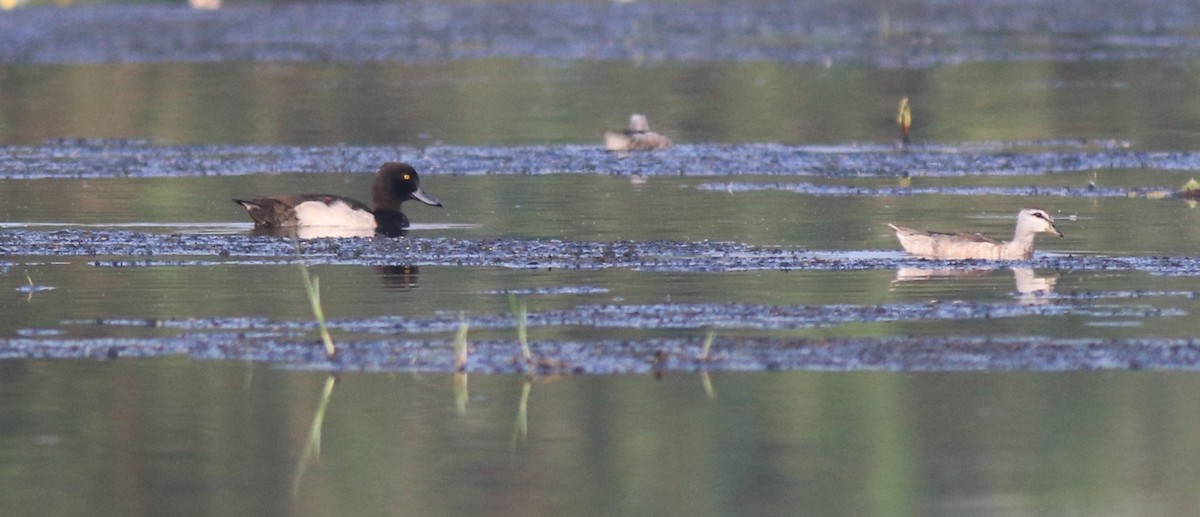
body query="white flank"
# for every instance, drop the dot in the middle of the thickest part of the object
(339, 214)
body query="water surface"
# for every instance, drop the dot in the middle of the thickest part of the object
(170, 436)
(517, 102)
(193, 431)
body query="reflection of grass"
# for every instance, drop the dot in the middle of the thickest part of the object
(312, 448)
(708, 385)
(705, 356)
(461, 394)
(312, 287)
(521, 425)
(460, 365)
(520, 312)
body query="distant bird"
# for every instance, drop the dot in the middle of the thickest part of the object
(954, 246)
(637, 138)
(394, 184)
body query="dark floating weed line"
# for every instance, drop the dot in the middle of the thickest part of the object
(155, 250)
(142, 159)
(896, 353)
(722, 316)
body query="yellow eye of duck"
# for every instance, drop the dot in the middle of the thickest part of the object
(407, 177)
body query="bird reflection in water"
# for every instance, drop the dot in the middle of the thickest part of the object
(325, 232)
(1031, 289)
(398, 277)
(392, 276)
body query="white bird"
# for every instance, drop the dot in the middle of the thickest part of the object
(954, 246)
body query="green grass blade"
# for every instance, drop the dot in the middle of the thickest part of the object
(312, 287)
(706, 349)
(521, 312)
(460, 344)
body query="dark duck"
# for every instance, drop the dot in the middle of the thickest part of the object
(394, 184)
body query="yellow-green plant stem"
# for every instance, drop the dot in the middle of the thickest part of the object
(312, 287)
(707, 347)
(520, 312)
(904, 118)
(460, 344)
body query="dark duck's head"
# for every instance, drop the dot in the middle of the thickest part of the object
(395, 184)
